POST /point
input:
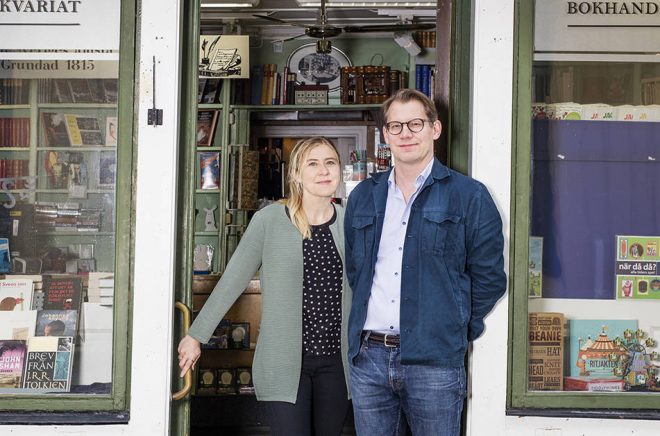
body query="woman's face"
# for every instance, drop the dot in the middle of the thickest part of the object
(319, 172)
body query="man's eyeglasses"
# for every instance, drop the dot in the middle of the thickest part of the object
(396, 127)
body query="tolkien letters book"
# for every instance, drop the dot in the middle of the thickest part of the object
(48, 364)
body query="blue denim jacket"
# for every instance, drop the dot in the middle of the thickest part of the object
(453, 264)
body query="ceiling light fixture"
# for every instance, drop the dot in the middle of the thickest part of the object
(406, 41)
(229, 4)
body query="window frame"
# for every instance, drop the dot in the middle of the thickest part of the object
(520, 401)
(108, 408)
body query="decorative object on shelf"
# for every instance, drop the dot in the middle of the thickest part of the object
(209, 170)
(209, 220)
(638, 367)
(239, 336)
(370, 84)
(311, 94)
(203, 258)
(319, 68)
(207, 382)
(226, 56)
(227, 381)
(244, 381)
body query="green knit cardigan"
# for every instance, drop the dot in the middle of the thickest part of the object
(273, 246)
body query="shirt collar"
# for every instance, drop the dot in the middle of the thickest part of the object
(419, 181)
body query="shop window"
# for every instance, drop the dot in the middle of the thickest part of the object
(587, 237)
(63, 149)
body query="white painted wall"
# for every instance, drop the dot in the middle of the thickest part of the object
(154, 234)
(491, 163)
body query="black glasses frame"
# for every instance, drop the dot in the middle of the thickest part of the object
(392, 129)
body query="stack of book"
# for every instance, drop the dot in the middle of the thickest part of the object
(15, 169)
(66, 217)
(94, 292)
(13, 91)
(369, 84)
(14, 132)
(425, 39)
(424, 79)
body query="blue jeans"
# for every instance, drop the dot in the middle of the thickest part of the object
(383, 390)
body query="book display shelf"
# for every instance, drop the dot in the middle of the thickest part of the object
(58, 142)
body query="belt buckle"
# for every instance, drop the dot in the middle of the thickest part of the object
(385, 341)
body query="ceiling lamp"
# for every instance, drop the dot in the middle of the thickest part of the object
(366, 4)
(229, 4)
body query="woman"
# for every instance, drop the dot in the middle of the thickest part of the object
(297, 245)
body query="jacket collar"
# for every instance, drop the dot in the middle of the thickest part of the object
(438, 172)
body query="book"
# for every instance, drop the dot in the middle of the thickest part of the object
(111, 131)
(83, 130)
(207, 121)
(592, 344)
(12, 360)
(545, 359)
(107, 169)
(535, 284)
(17, 324)
(62, 292)
(110, 90)
(15, 294)
(201, 83)
(80, 91)
(62, 91)
(56, 323)
(211, 91)
(48, 364)
(209, 170)
(591, 384)
(5, 256)
(55, 130)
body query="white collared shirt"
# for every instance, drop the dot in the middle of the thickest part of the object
(384, 302)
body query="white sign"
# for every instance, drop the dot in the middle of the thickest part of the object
(59, 24)
(597, 26)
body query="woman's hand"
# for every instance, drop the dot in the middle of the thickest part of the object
(189, 352)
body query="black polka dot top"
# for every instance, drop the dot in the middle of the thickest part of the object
(322, 286)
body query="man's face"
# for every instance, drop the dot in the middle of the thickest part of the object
(411, 148)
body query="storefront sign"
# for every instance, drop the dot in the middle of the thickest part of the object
(59, 25)
(58, 69)
(597, 26)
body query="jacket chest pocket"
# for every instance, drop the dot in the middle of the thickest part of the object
(363, 235)
(441, 232)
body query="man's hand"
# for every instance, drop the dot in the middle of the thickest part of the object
(189, 352)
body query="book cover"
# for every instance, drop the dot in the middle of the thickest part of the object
(48, 364)
(590, 384)
(201, 84)
(226, 381)
(211, 91)
(107, 169)
(207, 121)
(637, 267)
(15, 294)
(535, 267)
(5, 256)
(207, 382)
(110, 90)
(83, 130)
(592, 344)
(545, 360)
(80, 91)
(55, 131)
(244, 381)
(56, 323)
(209, 170)
(62, 293)
(12, 359)
(111, 131)
(56, 166)
(17, 324)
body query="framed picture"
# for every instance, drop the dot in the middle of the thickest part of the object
(318, 68)
(224, 56)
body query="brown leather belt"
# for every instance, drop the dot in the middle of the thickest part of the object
(389, 340)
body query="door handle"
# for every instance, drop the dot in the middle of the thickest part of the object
(187, 379)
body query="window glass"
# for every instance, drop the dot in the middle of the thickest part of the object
(594, 230)
(58, 162)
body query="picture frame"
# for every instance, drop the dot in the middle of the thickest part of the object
(318, 68)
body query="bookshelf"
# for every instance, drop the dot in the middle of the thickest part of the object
(62, 133)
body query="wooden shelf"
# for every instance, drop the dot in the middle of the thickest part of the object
(308, 107)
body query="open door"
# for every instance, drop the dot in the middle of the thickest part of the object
(181, 388)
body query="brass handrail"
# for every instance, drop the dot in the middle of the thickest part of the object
(187, 379)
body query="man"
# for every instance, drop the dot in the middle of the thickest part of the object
(424, 257)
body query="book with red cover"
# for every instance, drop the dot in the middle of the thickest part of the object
(584, 383)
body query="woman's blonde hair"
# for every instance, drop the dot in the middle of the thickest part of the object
(294, 200)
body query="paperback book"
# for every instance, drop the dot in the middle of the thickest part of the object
(209, 170)
(48, 364)
(207, 121)
(12, 359)
(15, 294)
(62, 293)
(56, 323)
